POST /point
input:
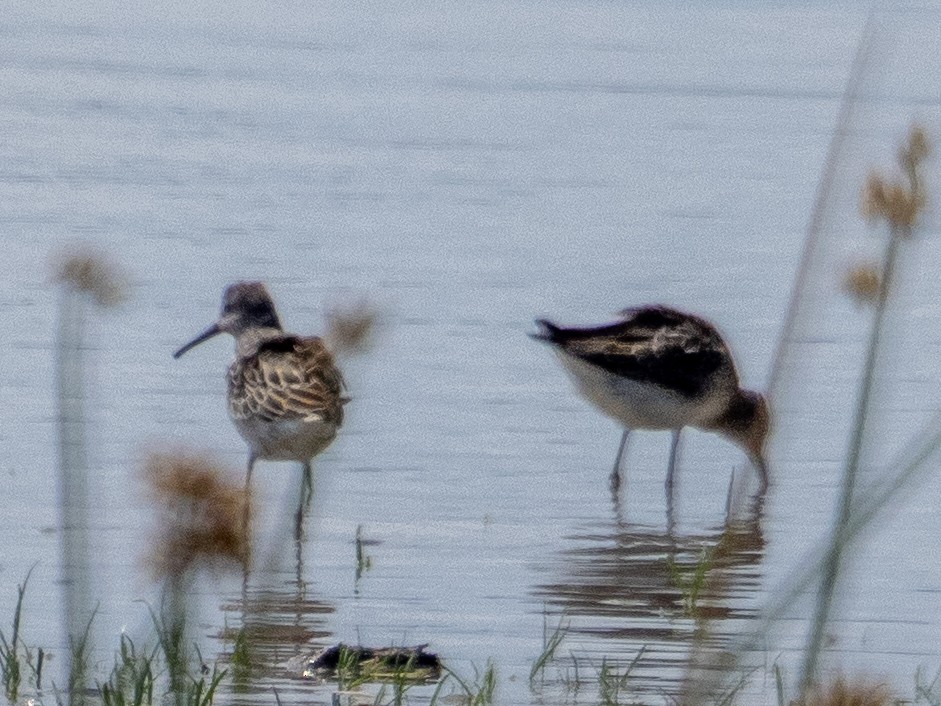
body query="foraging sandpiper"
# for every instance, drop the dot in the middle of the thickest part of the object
(659, 368)
(285, 391)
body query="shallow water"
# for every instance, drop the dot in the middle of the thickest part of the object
(468, 167)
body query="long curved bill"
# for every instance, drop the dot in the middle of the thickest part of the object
(213, 330)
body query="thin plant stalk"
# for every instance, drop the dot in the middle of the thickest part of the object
(897, 232)
(84, 277)
(203, 526)
(481, 693)
(899, 207)
(79, 651)
(869, 506)
(170, 625)
(861, 62)
(73, 472)
(550, 643)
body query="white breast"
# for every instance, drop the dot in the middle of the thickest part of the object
(286, 440)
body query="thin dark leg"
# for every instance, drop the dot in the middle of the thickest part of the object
(671, 468)
(248, 489)
(303, 502)
(671, 517)
(616, 473)
(762, 468)
(247, 518)
(728, 499)
(307, 489)
(248, 473)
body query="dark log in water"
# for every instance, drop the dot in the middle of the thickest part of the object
(410, 663)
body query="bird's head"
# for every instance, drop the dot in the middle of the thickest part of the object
(747, 422)
(246, 306)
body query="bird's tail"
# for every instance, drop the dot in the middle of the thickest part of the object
(548, 331)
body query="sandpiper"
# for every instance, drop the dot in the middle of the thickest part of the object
(285, 391)
(659, 368)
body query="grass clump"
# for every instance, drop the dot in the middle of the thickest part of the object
(9, 650)
(14, 655)
(926, 692)
(550, 644)
(241, 660)
(691, 582)
(612, 683)
(131, 682)
(202, 691)
(478, 692)
(363, 560)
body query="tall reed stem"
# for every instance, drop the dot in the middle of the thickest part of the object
(832, 563)
(73, 481)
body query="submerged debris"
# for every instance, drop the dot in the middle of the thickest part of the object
(374, 664)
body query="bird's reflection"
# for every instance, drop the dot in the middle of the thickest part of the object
(272, 624)
(622, 587)
(277, 617)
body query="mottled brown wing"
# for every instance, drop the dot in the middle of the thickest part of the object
(291, 377)
(662, 346)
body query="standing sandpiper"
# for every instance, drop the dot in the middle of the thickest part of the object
(284, 390)
(659, 368)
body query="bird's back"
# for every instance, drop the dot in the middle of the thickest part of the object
(287, 378)
(656, 345)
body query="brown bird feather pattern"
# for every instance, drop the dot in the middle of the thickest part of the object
(290, 377)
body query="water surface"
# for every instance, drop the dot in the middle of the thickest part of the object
(467, 166)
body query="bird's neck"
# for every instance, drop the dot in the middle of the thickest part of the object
(737, 418)
(248, 341)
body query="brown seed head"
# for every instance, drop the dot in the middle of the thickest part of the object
(916, 150)
(204, 517)
(350, 327)
(841, 692)
(87, 270)
(874, 197)
(897, 204)
(863, 283)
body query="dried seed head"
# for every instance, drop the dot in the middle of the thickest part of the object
(90, 271)
(898, 204)
(874, 197)
(863, 282)
(841, 692)
(204, 518)
(916, 150)
(350, 327)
